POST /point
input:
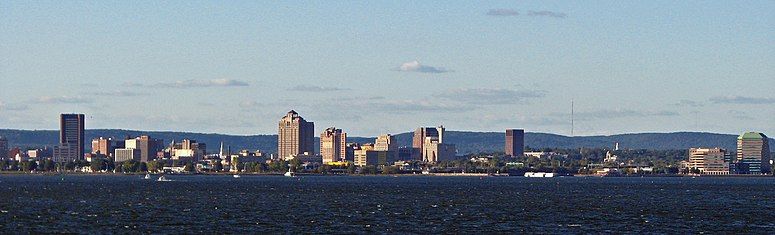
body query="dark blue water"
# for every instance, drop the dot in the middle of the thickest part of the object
(410, 204)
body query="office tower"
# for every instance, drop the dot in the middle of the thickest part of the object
(333, 145)
(71, 135)
(147, 147)
(515, 142)
(350, 151)
(753, 153)
(387, 142)
(428, 145)
(423, 135)
(433, 151)
(102, 146)
(708, 161)
(295, 136)
(3, 148)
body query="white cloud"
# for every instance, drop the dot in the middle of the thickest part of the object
(489, 96)
(307, 88)
(502, 12)
(547, 14)
(415, 66)
(741, 100)
(63, 100)
(191, 83)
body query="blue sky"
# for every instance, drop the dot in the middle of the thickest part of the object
(389, 66)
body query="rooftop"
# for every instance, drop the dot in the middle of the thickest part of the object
(752, 136)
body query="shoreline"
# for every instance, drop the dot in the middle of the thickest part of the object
(386, 175)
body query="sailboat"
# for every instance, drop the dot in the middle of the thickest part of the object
(147, 176)
(162, 178)
(290, 173)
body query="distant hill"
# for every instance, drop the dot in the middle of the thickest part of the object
(467, 142)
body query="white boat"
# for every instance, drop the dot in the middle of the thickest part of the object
(538, 174)
(162, 178)
(236, 176)
(147, 176)
(290, 173)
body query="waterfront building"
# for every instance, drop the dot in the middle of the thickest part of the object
(368, 155)
(333, 145)
(65, 153)
(71, 135)
(708, 161)
(421, 136)
(305, 157)
(103, 146)
(295, 136)
(3, 148)
(188, 150)
(126, 154)
(147, 146)
(434, 151)
(753, 153)
(428, 145)
(39, 154)
(387, 142)
(404, 154)
(350, 151)
(515, 142)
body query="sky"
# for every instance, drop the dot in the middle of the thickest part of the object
(373, 67)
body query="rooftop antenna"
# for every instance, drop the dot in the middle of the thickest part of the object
(571, 118)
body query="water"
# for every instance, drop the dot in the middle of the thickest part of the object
(377, 204)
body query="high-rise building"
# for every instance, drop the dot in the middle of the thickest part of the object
(102, 146)
(708, 161)
(423, 135)
(753, 153)
(295, 136)
(388, 143)
(333, 145)
(433, 151)
(3, 148)
(71, 135)
(515, 142)
(147, 146)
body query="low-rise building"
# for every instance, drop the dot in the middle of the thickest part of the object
(708, 161)
(125, 154)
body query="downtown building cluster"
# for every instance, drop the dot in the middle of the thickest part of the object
(296, 143)
(751, 158)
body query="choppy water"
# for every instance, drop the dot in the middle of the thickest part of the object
(410, 204)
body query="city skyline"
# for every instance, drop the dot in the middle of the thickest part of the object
(231, 68)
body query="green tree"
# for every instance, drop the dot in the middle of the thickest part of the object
(130, 166)
(96, 165)
(218, 166)
(153, 166)
(70, 166)
(25, 166)
(237, 164)
(369, 170)
(189, 167)
(351, 169)
(389, 170)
